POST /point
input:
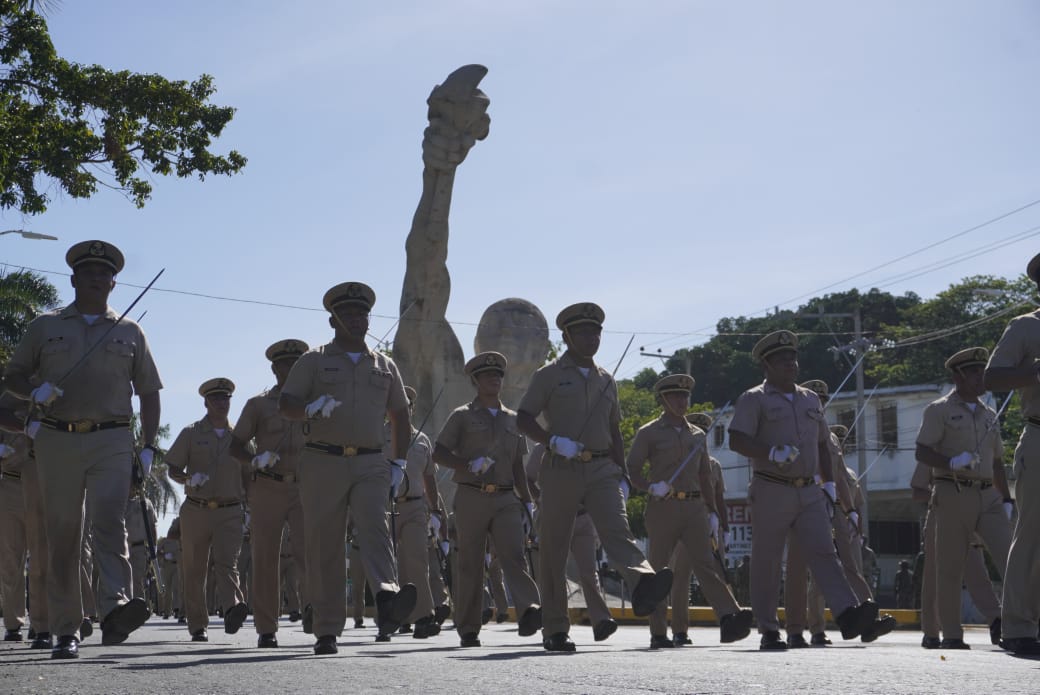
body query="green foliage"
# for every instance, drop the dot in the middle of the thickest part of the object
(638, 407)
(23, 296)
(77, 124)
(637, 515)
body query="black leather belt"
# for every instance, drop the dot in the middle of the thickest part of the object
(684, 495)
(83, 426)
(10, 474)
(784, 480)
(280, 477)
(212, 504)
(587, 455)
(399, 500)
(138, 544)
(1034, 421)
(966, 482)
(336, 450)
(488, 487)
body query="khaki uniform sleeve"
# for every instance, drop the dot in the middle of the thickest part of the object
(397, 399)
(429, 467)
(615, 411)
(301, 377)
(1010, 350)
(932, 426)
(922, 477)
(637, 456)
(246, 427)
(451, 432)
(177, 454)
(145, 378)
(25, 358)
(537, 395)
(745, 415)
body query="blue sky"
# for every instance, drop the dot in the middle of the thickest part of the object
(676, 162)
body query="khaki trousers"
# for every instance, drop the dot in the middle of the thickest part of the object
(438, 590)
(171, 598)
(290, 584)
(413, 556)
(1021, 605)
(497, 516)
(12, 552)
(958, 515)
(36, 539)
(139, 568)
(497, 586)
(682, 567)
(778, 511)
(272, 504)
(210, 534)
(73, 469)
(670, 523)
(357, 583)
(330, 487)
(568, 485)
(583, 550)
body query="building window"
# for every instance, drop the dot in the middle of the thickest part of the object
(720, 436)
(888, 426)
(846, 417)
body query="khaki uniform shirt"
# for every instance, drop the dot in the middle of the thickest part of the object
(100, 388)
(765, 414)
(949, 427)
(567, 398)
(472, 431)
(718, 480)
(171, 547)
(666, 447)
(922, 477)
(135, 522)
(419, 459)
(261, 422)
(367, 390)
(198, 449)
(1019, 346)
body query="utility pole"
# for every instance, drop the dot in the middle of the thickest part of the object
(664, 358)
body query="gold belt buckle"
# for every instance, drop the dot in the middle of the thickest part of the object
(350, 451)
(212, 504)
(585, 456)
(490, 487)
(82, 426)
(289, 478)
(681, 495)
(799, 482)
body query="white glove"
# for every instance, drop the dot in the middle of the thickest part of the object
(567, 448)
(245, 521)
(660, 489)
(1009, 508)
(783, 454)
(197, 480)
(445, 547)
(5, 450)
(32, 428)
(713, 524)
(854, 519)
(626, 489)
(487, 559)
(831, 490)
(265, 460)
(168, 556)
(965, 459)
(435, 524)
(322, 404)
(525, 522)
(397, 467)
(46, 393)
(146, 457)
(479, 465)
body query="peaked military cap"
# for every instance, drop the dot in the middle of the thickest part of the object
(487, 362)
(675, 383)
(284, 349)
(702, 420)
(775, 342)
(839, 431)
(410, 392)
(583, 312)
(95, 251)
(1033, 269)
(218, 385)
(817, 386)
(349, 293)
(967, 358)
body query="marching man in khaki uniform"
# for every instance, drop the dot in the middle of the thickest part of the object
(211, 515)
(137, 536)
(481, 442)
(274, 497)
(579, 402)
(169, 552)
(1015, 364)
(344, 391)
(779, 425)
(413, 523)
(960, 440)
(14, 453)
(79, 366)
(681, 509)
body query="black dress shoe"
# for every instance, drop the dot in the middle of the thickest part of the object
(681, 639)
(235, 616)
(182, 620)
(86, 629)
(200, 636)
(308, 619)
(14, 635)
(953, 643)
(294, 616)
(796, 641)
(856, 620)
(393, 608)
(405, 629)
(469, 639)
(267, 641)
(326, 644)
(930, 642)
(426, 627)
(42, 641)
(66, 648)
(604, 629)
(735, 626)
(530, 621)
(122, 620)
(650, 591)
(358, 623)
(501, 618)
(820, 639)
(485, 616)
(558, 642)
(994, 632)
(882, 626)
(382, 637)
(661, 642)
(441, 613)
(1028, 646)
(771, 642)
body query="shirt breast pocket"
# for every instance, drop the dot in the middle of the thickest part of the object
(119, 356)
(332, 381)
(55, 356)
(379, 386)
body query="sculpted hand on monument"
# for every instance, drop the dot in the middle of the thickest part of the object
(458, 118)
